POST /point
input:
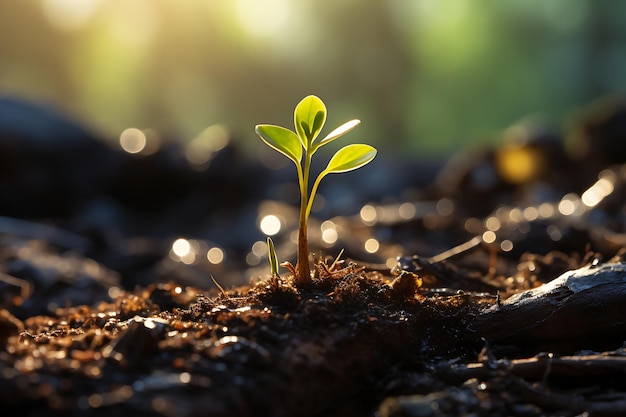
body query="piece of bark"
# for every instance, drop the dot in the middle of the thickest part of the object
(581, 309)
(539, 367)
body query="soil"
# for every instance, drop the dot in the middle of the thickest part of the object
(353, 343)
(95, 323)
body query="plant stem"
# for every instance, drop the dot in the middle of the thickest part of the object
(303, 276)
(316, 184)
(303, 271)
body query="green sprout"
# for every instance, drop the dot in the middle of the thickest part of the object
(309, 118)
(273, 259)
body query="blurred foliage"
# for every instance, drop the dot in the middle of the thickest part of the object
(423, 75)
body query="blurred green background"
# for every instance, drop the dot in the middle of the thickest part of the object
(425, 76)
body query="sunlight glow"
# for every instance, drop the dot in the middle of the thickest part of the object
(69, 15)
(263, 18)
(135, 23)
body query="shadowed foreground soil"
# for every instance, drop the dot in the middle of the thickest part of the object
(355, 343)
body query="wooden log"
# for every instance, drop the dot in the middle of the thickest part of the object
(581, 309)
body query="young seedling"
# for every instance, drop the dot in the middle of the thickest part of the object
(273, 260)
(309, 118)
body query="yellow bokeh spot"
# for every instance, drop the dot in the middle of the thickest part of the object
(518, 164)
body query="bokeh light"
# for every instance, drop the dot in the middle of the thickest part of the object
(599, 190)
(407, 211)
(270, 225)
(372, 245)
(200, 150)
(506, 245)
(185, 250)
(181, 247)
(259, 248)
(493, 224)
(570, 205)
(215, 255)
(368, 214)
(329, 232)
(133, 140)
(489, 236)
(445, 207)
(546, 210)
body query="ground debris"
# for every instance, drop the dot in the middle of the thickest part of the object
(240, 351)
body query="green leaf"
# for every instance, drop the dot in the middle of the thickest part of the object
(271, 255)
(281, 139)
(350, 157)
(346, 159)
(338, 132)
(309, 118)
